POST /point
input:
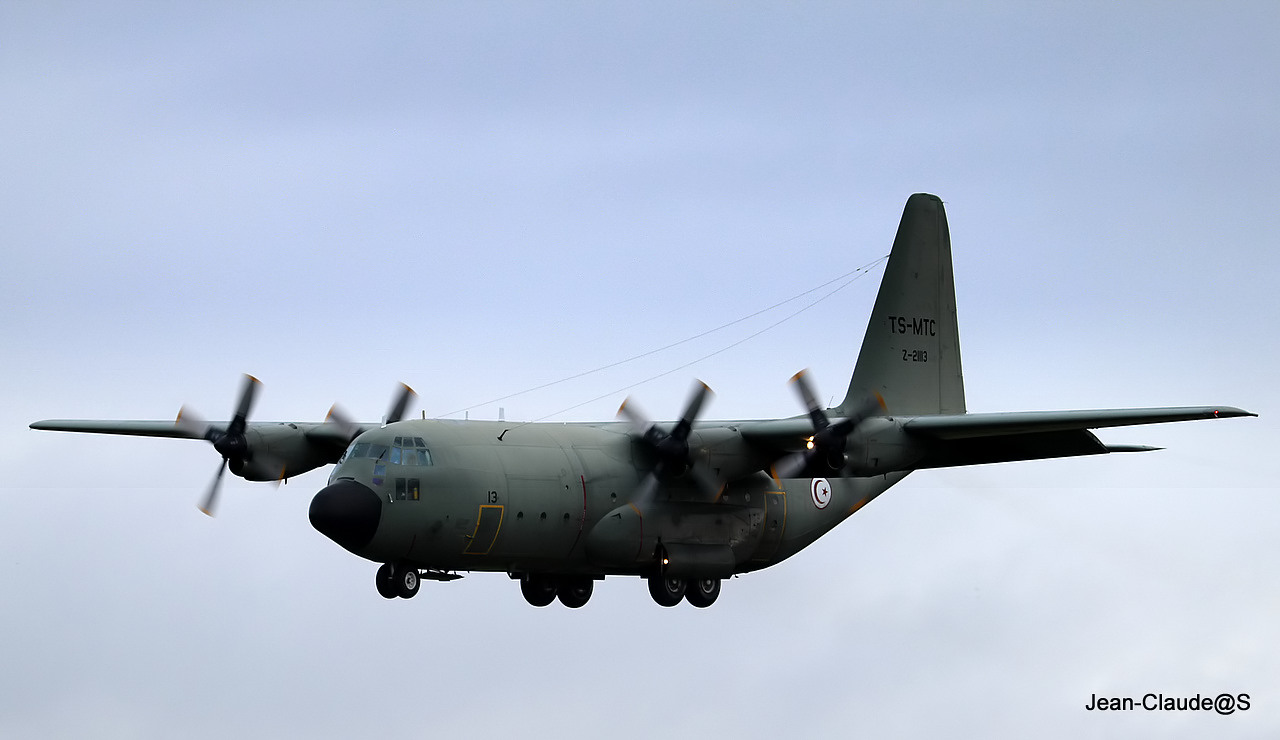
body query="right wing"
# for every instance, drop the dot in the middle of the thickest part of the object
(276, 450)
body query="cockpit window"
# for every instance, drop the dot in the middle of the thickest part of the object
(411, 451)
(365, 449)
(406, 451)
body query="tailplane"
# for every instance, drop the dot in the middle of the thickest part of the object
(911, 352)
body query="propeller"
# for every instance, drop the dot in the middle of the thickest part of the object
(396, 413)
(230, 442)
(350, 429)
(826, 447)
(670, 448)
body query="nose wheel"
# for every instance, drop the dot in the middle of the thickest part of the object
(393, 582)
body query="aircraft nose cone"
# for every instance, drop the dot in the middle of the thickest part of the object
(346, 512)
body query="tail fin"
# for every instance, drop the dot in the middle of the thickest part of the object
(911, 351)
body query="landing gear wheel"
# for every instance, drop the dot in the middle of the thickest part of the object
(575, 592)
(667, 591)
(407, 583)
(538, 590)
(385, 580)
(703, 592)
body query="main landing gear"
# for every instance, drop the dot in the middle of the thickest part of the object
(395, 581)
(574, 591)
(541, 590)
(701, 592)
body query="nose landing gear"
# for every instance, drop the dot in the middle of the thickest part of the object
(392, 581)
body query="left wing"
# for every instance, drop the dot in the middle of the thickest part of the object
(961, 426)
(975, 439)
(887, 444)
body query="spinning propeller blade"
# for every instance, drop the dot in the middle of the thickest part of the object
(231, 443)
(211, 496)
(396, 413)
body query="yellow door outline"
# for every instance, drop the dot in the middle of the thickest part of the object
(488, 524)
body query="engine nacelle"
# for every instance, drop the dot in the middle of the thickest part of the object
(281, 451)
(880, 446)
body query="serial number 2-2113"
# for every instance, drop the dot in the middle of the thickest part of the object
(915, 355)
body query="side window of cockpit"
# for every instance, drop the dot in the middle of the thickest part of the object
(408, 490)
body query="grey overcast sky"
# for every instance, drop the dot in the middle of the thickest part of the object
(478, 198)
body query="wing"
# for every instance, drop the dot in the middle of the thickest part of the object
(132, 428)
(960, 426)
(975, 439)
(948, 440)
(275, 449)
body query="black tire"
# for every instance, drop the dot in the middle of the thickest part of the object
(667, 591)
(575, 592)
(385, 580)
(407, 582)
(538, 590)
(703, 592)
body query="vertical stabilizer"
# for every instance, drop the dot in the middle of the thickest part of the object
(911, 352)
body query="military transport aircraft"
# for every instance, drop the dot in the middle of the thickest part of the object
(682, 505)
